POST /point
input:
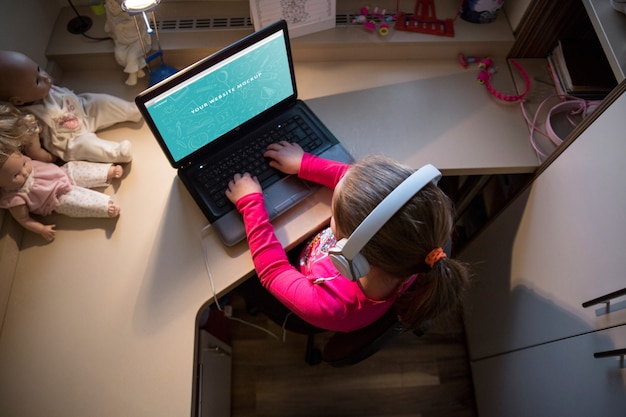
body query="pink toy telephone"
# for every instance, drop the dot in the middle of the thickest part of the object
(487, 69)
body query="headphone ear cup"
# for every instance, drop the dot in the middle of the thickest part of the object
(359, 268)
(339, 261)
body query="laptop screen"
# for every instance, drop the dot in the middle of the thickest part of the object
(222, 95)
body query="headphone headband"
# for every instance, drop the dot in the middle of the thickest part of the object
(388, 207)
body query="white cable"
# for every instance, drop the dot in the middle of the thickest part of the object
(217, 304)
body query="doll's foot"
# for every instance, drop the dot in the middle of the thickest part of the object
(115, 172)
(113, 210)
(124, 152)
(141, 73)
(132, 79)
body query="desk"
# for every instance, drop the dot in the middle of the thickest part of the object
(101, 322)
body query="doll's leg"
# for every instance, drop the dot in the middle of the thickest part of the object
(89, 147)
(104, 110)
(83, 202)
(92, 174)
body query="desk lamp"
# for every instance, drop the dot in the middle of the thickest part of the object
(141, 7)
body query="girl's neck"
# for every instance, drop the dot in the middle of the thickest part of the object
(378, 285)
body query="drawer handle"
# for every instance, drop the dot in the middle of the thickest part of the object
(605, 298)
(610, 353)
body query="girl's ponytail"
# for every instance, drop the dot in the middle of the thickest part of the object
(434, 293)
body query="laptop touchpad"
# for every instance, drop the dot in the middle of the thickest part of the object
(286, 193)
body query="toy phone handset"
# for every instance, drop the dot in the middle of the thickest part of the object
(487, 69)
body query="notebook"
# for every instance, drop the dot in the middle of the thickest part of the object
(228, 107)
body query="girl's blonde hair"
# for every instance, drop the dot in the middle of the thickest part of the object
(16, 130)
(401, 246)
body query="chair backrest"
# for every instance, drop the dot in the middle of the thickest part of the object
(345, 349)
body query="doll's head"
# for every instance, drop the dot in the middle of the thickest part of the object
(15, 168)
(17, 129)
(21, 79)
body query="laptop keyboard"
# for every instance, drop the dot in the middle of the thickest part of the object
(250, 159)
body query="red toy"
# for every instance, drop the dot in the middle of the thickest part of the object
(424, 20)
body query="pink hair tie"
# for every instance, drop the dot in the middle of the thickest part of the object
(434, 256)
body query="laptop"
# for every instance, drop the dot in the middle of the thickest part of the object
(225, 109)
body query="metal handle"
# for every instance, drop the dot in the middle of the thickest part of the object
(605, 298)
(217, 350)
(610, 353)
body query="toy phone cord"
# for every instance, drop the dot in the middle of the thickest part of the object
(574, 106)
(214, 292)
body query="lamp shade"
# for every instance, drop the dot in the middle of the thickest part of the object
(138, 6)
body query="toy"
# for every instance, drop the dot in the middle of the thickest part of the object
(30, 186)
(72, 119)
(373, 19)
(424, 20)
(466, 60)
(486, 71)
(21, 131)
(129, 52)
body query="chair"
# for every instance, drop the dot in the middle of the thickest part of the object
(346, 349)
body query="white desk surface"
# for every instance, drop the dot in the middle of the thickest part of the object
(101, 321)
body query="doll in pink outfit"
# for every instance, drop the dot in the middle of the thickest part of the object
(31, 186)
(71, 119)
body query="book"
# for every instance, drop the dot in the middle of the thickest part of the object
(582, 69)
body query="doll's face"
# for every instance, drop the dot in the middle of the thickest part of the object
(15, 171)
(21, 79)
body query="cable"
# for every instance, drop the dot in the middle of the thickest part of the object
(81, 24)
(217, 303)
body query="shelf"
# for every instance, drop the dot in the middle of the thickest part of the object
(610, 26)
(183, 47)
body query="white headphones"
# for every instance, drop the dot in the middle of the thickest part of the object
(345, 255)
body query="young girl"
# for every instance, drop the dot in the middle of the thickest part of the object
(31, 186)
(408, 267)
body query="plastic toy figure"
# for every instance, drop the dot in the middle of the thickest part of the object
(72, 118)
(371, 19)
(129, 47)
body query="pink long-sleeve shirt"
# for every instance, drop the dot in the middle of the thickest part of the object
(336, 304)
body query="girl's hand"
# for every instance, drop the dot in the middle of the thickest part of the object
(286, 157)
(242, 185)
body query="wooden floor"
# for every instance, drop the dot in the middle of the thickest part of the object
(426, 376)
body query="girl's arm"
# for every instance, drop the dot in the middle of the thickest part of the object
(291, 159)
(322, 171)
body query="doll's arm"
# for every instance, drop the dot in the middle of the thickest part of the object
(35, 151)
(21, 214)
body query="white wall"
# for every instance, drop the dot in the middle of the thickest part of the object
(27, 25)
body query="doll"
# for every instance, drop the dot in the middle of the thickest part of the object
(31, 186)
(22, 131)
(72, 118)
(129, 47)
